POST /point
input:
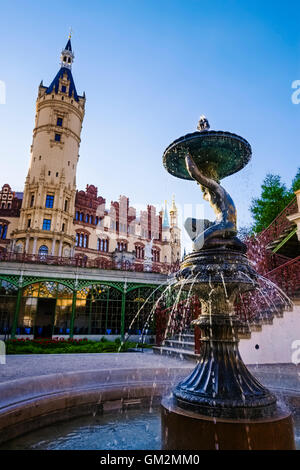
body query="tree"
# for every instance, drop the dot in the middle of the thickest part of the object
(274, 198)
(296, 182)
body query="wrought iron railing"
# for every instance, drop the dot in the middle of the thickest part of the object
(264, 261)
(84, 262)
(287, 277)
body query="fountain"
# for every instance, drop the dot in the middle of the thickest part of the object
(220, 405)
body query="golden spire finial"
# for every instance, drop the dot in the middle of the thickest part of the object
(71, 32)
(173, 207)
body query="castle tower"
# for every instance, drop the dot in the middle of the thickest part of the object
(46, 219)
(173, 214)
(175, 233)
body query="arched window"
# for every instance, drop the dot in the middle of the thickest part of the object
(85, 245)
(77, 239)
(77, 215)
(81, 240)
(87, 218)
(81, 217)
(91, 219)
(43, 251)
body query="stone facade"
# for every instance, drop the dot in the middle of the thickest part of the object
(52, 219)
(119, 234)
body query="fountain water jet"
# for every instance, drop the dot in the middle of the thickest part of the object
(220, 398)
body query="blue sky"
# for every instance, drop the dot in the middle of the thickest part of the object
(149, 70)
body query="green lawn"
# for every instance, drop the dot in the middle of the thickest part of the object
(56, 346)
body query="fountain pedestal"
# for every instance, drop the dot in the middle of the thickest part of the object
(187, 430)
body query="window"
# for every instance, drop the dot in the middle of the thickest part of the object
(63, 228)
(87, 218)
(49, 173)
(32, 200)
(122, 246)
(28, 223)
(81, 216)
(63, 88)
(59, 120)
(57, 137)
(102, 245)
(77, 215)
(43, 250)
(4, 232)
(56, 174)
(49, 201)
(85, 244)
(139, 252)
(46, 224)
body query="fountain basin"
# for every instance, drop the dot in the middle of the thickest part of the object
(136, 428)
(34, 402)
(224, 152)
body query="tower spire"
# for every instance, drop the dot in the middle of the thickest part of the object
(166, 218)
(67, 55)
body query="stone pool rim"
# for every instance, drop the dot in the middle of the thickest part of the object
(34, 402)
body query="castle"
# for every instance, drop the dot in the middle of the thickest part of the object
(52, 220)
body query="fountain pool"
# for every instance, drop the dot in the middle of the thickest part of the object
(134, 429)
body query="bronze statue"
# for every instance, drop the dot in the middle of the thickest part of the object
(222, 204)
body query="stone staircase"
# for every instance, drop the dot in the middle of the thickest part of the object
(180, 345)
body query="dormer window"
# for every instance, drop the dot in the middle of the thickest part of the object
(63, 88)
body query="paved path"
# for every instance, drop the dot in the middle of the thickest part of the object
(31, 365)
(284, 377)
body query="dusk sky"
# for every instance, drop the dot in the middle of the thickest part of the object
(149, 70)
